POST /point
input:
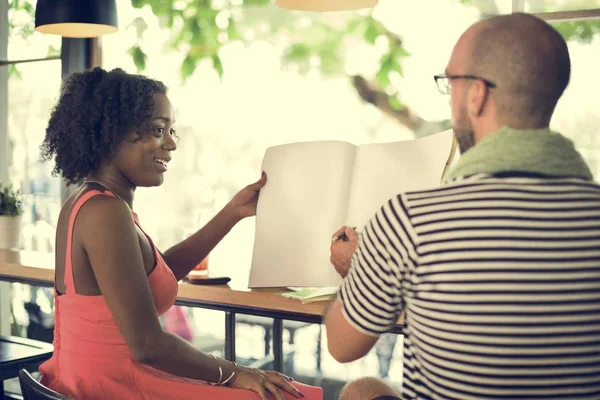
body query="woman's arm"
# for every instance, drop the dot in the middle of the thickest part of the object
(184, 256)
(110, 239)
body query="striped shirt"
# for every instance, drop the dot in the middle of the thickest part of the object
(500, 279)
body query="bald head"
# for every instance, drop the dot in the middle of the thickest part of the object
(527, 60)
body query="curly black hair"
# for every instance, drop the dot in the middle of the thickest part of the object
(95, 111)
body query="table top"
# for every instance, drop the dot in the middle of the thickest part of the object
(16, 352)
(38, 268)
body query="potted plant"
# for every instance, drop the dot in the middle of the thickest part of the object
(11, 209)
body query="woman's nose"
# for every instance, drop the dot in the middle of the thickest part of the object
(170, 143)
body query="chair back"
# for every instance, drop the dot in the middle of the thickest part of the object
(33, 390)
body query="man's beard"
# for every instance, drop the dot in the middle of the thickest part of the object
(463, 132)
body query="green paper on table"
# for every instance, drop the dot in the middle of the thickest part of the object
(311, 294)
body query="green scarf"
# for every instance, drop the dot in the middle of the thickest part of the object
(540, 151)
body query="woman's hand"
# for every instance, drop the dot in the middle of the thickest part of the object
(264, 383)
(244, 202)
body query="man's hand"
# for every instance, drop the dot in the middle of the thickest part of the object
(343, 244)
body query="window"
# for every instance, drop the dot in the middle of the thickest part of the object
(537, 6)
(226, 125)
(577, 115)
(32, 91)
(31, 97)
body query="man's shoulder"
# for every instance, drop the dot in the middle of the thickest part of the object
(497, 182)
(449, 188)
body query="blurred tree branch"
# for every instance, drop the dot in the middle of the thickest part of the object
(200, 28)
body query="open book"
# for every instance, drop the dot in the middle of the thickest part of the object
(314, 188)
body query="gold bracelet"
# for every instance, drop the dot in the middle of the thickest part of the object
(220, 377)
(220, 373)
(230, 376)
(228, 379)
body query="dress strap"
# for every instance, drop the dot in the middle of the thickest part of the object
(69, 279)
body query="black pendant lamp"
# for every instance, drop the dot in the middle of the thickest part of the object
(76, 18)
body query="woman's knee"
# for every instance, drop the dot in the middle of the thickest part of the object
(367, 389)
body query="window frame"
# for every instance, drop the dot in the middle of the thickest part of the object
(82, 54)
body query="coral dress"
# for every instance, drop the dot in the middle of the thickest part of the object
(91, 359)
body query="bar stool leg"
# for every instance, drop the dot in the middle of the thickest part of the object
(278, 344)
(319, 348)
(267, 341)
(230, 336)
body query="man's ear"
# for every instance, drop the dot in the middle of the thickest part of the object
(477, 97)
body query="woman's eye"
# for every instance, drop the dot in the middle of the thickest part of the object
(159, 131)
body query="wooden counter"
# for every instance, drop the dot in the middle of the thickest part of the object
(38, 269)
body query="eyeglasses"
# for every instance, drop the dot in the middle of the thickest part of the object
(444, 86)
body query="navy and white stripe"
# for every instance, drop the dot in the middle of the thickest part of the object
(500, 279)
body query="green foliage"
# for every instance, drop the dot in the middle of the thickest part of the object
(21, 23)
(373, 29)
(395, 103)
(139, 57)
(199, 29)
(317, 45)
(312, 40)
(582, 32)
(14, 71)
(11, 202)
(20, 29)
(391, 62)
(188, 66)
(578, 31)
(217, 65)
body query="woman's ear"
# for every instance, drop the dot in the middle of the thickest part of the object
(134, 136)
